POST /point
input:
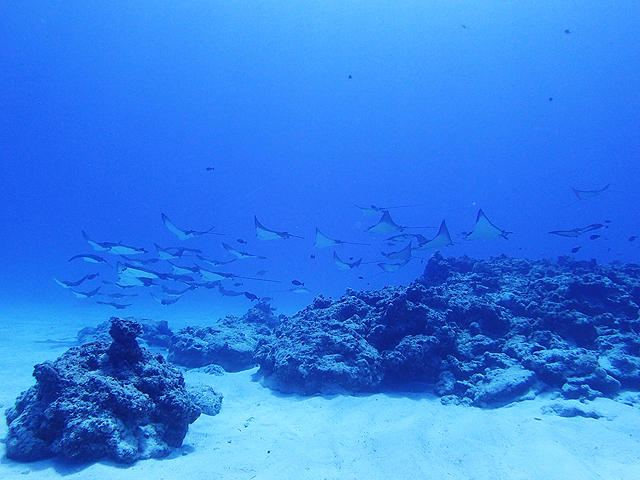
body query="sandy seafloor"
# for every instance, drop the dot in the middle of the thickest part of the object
(260, 434)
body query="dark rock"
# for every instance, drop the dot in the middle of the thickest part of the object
(230, 343)
(102, 400)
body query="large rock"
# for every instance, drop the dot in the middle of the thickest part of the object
(113, 400)
(230, 343)
(482, 332)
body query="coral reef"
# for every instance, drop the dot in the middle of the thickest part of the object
(480, 332)
(113, 400)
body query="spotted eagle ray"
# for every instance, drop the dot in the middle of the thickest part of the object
(180, 270)
(113, 248)
(263, 233)
(324, 241)
(211, 276)
(485, 230)
(69, 284)
(172, 253)
(404, 254)
(442, 239)
(185, 234)
(85, 294)
(118, 306)
(240, 254)
(372, 209)
(88, 257)
(344, 265)
(576, 232)
(392, 267)
(387, 225)
(165, 301)
(586, 194)
(139, 276)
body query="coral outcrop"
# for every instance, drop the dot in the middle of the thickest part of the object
(102, 400)
(480, 332)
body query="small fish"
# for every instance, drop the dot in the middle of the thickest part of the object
(313, 256)
(551, 99)
(261, 272)
(237, 284)
(251, 296)
(575, 249)
(297, 283)
(300, 290)
(567, 31)
(210, 169)
(240, 240)
(349, 77)
(464, 26)
(593, 237)
(632, 238)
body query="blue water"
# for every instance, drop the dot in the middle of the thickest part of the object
(112, 112)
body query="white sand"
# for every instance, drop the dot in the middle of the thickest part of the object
(264, 435)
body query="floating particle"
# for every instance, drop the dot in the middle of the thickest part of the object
(567, 31)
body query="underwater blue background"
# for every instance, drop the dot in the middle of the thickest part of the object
(112, 112)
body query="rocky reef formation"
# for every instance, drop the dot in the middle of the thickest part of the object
(102, 400)
(478, 332)
(155, 333)
(230, 343)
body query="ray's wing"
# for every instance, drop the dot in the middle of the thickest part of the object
(263, 233)
(392, 267)
(181, 234)
(404, 254)
(372, 210)
(442, 239)
(324, 241)
(344, 265)
(98, 247)
(576, 232)
(485, 230)
(240, 254)
(385, 225)
(587, 194)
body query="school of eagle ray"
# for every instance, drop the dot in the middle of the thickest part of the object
(166, 273)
